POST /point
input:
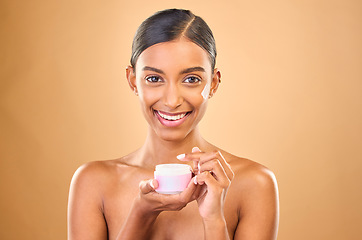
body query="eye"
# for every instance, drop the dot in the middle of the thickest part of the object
(153, 79)
(192, 79)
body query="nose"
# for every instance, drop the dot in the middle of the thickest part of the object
(172, 96)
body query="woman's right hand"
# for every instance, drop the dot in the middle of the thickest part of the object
(151, 202)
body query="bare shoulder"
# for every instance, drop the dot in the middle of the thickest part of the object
(86, 203)
(101, 171)
(94, 171)
(251, 176)
(254, 192)
(98, 174)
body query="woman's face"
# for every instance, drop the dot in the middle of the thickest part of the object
(173, 81)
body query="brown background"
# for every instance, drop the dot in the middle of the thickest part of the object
(291, 99)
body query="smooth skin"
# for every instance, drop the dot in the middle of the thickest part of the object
(228, 197)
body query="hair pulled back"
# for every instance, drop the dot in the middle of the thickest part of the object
(169, 25)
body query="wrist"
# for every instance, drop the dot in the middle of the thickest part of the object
(143, 209)
(213, 223)
(215, 229)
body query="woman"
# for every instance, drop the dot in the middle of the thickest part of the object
(173, 74)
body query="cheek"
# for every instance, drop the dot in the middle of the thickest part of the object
(205, 92)
(196, 96)
(149, 96)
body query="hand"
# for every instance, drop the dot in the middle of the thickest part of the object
(151, 202)
(214, 175)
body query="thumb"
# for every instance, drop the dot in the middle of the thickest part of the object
(147, 186)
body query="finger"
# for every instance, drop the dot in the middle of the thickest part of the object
(176, 202)
(196, 168)
(217, 170)
(210, 156)
(186, 157)
(200, 157)
(195, 150)
(148, 186)
(225, 165)
(182, 157)
(194, 156)
(209, 180)
(179, 201)
(189, 193)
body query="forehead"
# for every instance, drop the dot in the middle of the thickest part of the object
(174, 55)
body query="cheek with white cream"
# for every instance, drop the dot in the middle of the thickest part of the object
(205, 92)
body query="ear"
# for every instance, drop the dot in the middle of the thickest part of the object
(215, 81)
(131, 78)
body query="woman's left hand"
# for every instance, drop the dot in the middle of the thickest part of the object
(214, 176)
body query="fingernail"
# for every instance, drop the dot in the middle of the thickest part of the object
(195, 180)
(198, 166)
(151, 184)
(181, 156)
(195, 149)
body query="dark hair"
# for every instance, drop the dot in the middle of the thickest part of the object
(170, 24)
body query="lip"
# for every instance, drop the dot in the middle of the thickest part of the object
(171, 123)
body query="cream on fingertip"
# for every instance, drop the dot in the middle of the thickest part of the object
(181, 156)
(196, 149)
(195, 180)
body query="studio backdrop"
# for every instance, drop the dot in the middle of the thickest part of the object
(290, 99)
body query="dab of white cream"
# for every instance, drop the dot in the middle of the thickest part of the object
(205, 92)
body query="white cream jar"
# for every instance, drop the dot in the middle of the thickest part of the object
(172, 178)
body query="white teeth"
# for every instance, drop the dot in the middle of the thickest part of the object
(172, 118)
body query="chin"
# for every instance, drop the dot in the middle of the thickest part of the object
(172, 136)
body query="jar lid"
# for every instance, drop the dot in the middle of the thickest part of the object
(172, 169)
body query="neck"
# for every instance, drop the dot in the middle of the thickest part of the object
(159, 151)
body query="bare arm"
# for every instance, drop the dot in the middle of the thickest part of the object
(85, 215)
(259, 214)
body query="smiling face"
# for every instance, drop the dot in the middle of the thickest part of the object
(173, 80)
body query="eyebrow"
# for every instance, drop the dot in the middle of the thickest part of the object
(187, 70)
(193, 69)
(147, 68)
